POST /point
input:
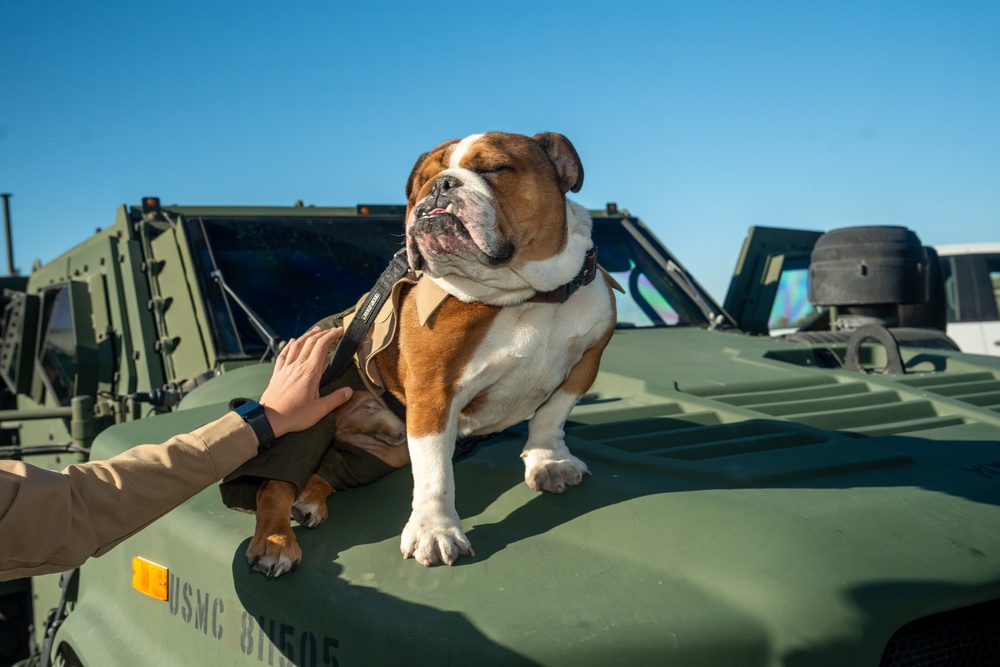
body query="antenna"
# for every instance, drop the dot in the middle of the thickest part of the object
(10, 241)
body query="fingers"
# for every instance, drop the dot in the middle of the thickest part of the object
(317, 344)
(282, 357)
(290, 352)
(337, 398)
(314, 342)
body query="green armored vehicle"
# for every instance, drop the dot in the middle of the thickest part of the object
(830, 498)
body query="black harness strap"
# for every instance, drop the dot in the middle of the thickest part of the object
(343, 356)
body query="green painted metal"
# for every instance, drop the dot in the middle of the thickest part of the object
(720, 526)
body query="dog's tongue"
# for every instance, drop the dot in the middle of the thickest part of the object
(437, 210)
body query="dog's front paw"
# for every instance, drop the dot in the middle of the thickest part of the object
(274, 554)
(542, 472)
(432, 538)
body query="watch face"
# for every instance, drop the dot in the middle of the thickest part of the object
(249, 409)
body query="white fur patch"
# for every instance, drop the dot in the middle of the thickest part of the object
(475, 184)
(461, 148)
(527, 353)
(433, 533)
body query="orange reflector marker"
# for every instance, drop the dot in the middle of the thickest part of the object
(150, 204)
(149, 578)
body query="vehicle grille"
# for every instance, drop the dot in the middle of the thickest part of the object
(967, 636)
(756, 451)
(824, 403)
(979, 389)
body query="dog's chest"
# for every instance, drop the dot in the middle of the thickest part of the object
(527, 353)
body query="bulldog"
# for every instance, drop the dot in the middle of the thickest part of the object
(504, 318)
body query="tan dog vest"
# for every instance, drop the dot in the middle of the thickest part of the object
(383, 330)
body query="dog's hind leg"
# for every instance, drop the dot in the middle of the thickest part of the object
(548, 463)
(274, 549)
(309, 508)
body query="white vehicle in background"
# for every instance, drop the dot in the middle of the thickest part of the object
(972, 287)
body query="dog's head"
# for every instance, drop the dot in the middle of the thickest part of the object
(488, 219)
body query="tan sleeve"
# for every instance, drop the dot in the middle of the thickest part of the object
(52, 521)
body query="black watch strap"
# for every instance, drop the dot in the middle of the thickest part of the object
(254, 415)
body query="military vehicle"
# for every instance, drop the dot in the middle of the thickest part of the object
(831, 498)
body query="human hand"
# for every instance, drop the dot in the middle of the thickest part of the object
(291, 400)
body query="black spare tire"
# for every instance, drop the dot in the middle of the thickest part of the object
(868, 266)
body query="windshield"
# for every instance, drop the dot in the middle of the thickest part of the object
(292, 272)
(652, 298)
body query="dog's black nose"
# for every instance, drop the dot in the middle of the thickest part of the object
(445, 183)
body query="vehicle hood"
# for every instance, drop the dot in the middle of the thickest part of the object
(746, 506)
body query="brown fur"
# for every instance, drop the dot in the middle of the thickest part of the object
(427, 362)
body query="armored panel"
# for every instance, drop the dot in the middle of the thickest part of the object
(17, 348)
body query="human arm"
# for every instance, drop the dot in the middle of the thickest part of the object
(51, 521)
(54, 521)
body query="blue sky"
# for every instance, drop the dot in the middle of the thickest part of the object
(702, 118)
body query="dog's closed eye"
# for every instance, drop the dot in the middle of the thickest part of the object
(485, 171)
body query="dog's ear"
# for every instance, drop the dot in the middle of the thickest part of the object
(412, 183)
(569, 169)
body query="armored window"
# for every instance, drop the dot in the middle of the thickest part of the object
(290, 272)
(57, 355)
(66, 349)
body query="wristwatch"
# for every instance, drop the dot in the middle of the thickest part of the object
(253, 414)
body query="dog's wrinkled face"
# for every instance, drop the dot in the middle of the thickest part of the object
(481, 209)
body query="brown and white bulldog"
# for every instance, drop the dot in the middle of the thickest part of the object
(487, 336)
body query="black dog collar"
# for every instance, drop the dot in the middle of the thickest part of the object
(586, 276)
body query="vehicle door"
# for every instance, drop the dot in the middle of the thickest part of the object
(769, 291)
